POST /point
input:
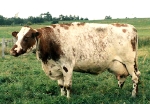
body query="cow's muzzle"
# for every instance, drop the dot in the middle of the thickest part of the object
(13, 52)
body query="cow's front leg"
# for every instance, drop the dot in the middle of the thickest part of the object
(62, 89)
(67, 72)
(121, 81)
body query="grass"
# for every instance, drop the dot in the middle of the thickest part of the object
(22, 80)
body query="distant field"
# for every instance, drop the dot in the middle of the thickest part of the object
(22, 81)
(5, 31)
(141, 24)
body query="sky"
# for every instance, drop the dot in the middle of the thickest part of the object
(91, 9)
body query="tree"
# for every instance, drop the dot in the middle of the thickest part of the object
(47, 16)
(55, 19)
(108, 17)
(9, 21)
(40, 19)
(71, 17)
(81, 18)
(67, 18)
(18, 20)
(76, 17)
(30, 19)
(61, 17)
(2, 20)
(86, 19)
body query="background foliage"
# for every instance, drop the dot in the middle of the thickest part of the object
(43, 17)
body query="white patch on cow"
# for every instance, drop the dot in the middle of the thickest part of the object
(20, 35)
(75, 23)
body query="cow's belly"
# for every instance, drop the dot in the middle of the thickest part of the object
(93, 67)
(93, 61)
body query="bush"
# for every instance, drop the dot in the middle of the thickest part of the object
(55, 21)
(29, 23)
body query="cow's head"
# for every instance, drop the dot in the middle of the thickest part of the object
(25, 40)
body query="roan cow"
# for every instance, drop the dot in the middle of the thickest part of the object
(82, 47)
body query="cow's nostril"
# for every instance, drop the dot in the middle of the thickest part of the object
(13, 53)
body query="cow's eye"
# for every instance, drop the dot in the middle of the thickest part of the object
(26, 39)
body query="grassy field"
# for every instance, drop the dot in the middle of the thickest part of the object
(22, 81)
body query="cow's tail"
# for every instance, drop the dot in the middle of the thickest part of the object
(138, 73)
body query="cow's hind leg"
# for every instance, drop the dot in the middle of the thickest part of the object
(132, 72)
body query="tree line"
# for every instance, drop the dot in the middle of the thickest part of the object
(39, 19)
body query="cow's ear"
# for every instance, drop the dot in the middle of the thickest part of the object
(36, 34)
(14, 33)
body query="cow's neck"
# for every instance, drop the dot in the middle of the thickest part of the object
(37, 43)
(47, 47)
(37, 47)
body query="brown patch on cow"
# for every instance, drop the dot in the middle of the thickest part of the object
(124, 30)
(133, 43)
(28, 40)
(66, 70)
(73, 49)
(119, 25)
(58, 30)
(52, 65)
(50, 73)
(65, 26)
(53, 26)
(134, 30)
(103, 45)
(100, 29)
(137, 88)
(61, 25)
(61, 86)
(49, 46)
(15, 34)
(68, 24)
(135, 65)
(81, 24)
(68, 87)
(89, 36)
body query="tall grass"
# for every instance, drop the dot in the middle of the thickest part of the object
(144, 42)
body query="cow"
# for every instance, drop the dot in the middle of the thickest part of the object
(82, 47)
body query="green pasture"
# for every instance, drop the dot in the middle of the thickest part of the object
(22, 80)
(141, 24)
